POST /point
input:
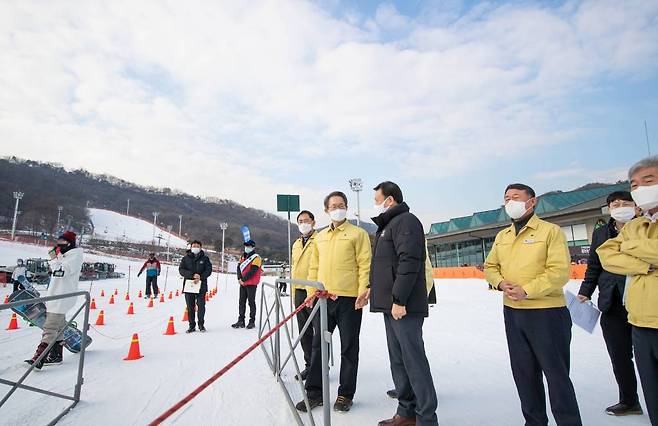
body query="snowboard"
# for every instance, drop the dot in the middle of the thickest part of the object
(35, 314)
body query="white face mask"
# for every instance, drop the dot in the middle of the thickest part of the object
(381, 208)
(248, 249)
(305, 228)
(195, 250)
(515, 209)
(646, 197)
(338, 215)
(623, 214)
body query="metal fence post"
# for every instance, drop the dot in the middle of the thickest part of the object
(324, 346)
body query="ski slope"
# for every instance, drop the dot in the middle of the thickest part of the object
(113, 226)
(464, 336)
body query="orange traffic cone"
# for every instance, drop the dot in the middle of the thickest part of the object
(13, 323)
(207, 299)
(161, 297)
(185, 317)
(101, 318)
(170, 327)
(131, 310)
(171, 295)
(102, 293)
(150, 305)
(127, 296)
(93, 304)
(139, 294)
(177, 293)
(134, 353)
(116, 291)
(7, 299)
(111, 300)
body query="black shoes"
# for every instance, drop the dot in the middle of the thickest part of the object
(42, 347)
(393, 394)
(239, 324)
(301, 406)
(191, 330)
(302, 375)
(251, 325)
(202, 329)
(622, 409)
(55, 354)
(342, 404)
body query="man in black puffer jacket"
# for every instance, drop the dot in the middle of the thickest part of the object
(399, 291)
(195, 268)
(617, 332)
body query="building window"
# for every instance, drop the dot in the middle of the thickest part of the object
(576, 235)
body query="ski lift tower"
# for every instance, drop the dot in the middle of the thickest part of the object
(18, 195)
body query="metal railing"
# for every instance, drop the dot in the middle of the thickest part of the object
(274, 355)
(78, 386)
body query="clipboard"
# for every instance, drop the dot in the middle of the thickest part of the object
(189, 286)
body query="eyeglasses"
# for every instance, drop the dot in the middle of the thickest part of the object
(621, 203)
(337, 207)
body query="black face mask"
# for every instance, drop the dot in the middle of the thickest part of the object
(64, 247)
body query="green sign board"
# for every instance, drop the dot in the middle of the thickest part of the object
(287, 203)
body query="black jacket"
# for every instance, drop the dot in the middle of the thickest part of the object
(397, 270)
(192, 264)
(611, 286)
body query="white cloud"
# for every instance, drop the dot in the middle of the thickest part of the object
(245, 99)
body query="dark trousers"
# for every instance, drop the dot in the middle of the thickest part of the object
(539, 341)
(247, 292)
(410, 369)
(152, 282)
(303, 315)
(618, 336)
(193, 300)
(645, 341)
(341, 314)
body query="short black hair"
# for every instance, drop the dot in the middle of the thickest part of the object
(334, 194)
(390, 189)
(196, 242)
(619, 195)
(521, 187)
(311, 215)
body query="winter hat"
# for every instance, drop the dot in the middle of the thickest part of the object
(68, 236)
(250, 243)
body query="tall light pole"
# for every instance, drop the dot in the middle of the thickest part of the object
(356, 185)
(155, 224)
(223, 226)
(59, 216)
(18, 196)
(180, 225)
(128, 208)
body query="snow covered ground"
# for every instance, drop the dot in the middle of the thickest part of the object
(464, 337)
(113, 226)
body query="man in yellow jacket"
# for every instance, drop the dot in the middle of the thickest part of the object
(342, 264)
(303, 249)
(634, 253)
(529, 262)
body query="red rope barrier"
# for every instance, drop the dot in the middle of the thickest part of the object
(164, 416)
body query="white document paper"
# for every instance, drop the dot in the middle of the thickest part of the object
(192, 287)
(585, 315)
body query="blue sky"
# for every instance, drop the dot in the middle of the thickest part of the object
(243, 100)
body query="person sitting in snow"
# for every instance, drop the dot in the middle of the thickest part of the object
(66, 263)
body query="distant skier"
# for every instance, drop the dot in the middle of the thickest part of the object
(19, 270)
(249, 272)
(195, 268)
(152, 266)
(65, 264)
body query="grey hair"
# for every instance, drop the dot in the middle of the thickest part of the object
(643, 164)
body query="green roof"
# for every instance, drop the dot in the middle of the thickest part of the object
(547, 203)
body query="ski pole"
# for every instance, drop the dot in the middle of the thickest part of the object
(166, 276)
(128, 279)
